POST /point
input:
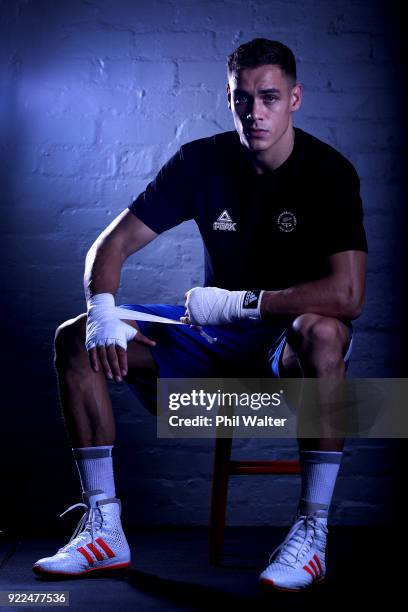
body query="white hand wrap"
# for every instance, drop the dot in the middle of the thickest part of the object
(104, 326)
(214, 306)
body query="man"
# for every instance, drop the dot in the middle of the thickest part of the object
(281, 219)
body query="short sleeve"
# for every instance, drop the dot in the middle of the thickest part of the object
(343, 228)
(167, 200)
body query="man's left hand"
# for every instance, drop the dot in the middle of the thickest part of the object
(214, 306)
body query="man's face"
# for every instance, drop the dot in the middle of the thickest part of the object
(262, 100)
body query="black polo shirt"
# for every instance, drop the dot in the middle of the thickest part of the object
(260, 231)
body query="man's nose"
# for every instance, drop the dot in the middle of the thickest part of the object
(256, 111)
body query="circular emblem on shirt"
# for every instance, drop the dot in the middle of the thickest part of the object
(287, 221)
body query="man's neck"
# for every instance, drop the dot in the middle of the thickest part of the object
(266, 161)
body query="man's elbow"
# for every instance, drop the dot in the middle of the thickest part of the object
(352, 305)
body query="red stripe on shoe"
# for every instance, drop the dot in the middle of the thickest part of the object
(105, 547)
(314, 568)
(319, 565)
(308, 570)
(95, 551)
(86, 555)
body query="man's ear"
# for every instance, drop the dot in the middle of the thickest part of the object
(229, 96)
(296, 96)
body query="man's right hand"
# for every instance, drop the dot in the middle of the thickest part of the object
(107, 337)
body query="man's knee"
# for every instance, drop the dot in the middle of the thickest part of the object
(311, 330)
(70, 337)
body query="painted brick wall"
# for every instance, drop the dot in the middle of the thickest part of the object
(95, 97)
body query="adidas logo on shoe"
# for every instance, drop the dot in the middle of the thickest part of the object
(98, 555)
(314, 568)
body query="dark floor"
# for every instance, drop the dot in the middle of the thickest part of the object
(170, 571)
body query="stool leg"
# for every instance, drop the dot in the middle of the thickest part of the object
(222, 457)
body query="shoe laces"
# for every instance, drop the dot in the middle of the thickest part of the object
(86, 523)
(298, 541)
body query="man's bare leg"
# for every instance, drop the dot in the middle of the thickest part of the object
(84, 395)
(100, 543)
(315, 349)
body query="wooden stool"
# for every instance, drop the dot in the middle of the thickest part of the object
(223, 467)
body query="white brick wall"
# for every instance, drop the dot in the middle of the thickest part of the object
(94, 97)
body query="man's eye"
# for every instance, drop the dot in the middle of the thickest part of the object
(240, 100)
(270, 99)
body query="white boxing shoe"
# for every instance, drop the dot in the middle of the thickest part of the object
(300, 560)
(98, 542)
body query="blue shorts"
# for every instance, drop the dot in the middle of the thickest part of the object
(244, 349)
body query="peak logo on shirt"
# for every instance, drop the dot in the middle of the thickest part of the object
(287, 221)
(224, 223)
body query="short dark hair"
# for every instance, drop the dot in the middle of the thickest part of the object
(262, 51)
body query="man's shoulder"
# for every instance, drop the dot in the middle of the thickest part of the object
(322, 155)
(211, 145)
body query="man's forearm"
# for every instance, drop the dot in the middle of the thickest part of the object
(103, 265)
(326, 296)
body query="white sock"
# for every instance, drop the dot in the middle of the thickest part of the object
(319, 471)
(95, 468)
